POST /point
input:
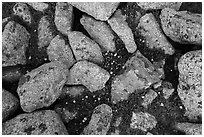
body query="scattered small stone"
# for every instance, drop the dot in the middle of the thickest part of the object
(42, 86)
(9, 104)
(84, 48)
(63, 17)
(100, 121)
(15, 40)
(100, 32)
(44, 122)
(88, 74)
(148, 98)
(39, 6)
(190, 83)
(58, 50)
(190, 128)
(167, 89)
(159, 5)
(120, 26)
(21, 9)
(45, 33)
(98, 10)
(182, 26)
(154, 38)
(143, 121)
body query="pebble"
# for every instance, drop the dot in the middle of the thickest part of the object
(100, 32)
(44, 122)
(190, 83)
(15, 40)
(98, 10)
(85, 48)
(39, 6)
(139, 74)
(21, 9)
(190, 128)
(143, 121)
(63, 17)
(42, 86)
(167, 89)
(88, 74)
(148, 98)
(182, 26)
(120, 26)
(9, 104)
(152, 33)
(73, 91)
(45, 33)
(100, 121)
(159, 5)
(58, 50)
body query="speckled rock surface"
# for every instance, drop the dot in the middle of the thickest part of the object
(100, 121)
(59, 50)
(45, 122)
(182, 26)
(9, 104)
(85, 48)
(15, 39)
(100, 32)
(190, 83)
(39, 6)
(159, 5)
(42, 86)
(88, 74)
(99, 10)
(148, 98)
(190, 128)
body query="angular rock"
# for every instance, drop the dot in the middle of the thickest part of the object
(139, 74)
(44, 122)
(84, 48)
(143, 121)
(167, 89)
(98, 10)
(182, 26)
(159, 5)
(154, 38)
(100, 121)
(88, 74)
(21, 9)
(39, 6)
(63, 17)
(15, 40)
(190, 128)
(120, 26)
(58, 50)
(9, 104)
(190, 83)
(100, 32)
(45, 33)
(42, 86)
(148, 98)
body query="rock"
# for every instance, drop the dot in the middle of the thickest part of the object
(159, 5)
(120, 26)
(88, 74)
(59, 50)
(143, 121)
(190, 83)
(148, 133)
(100, 121)
(190, 128)
(39, 6)
(182, 26)
(44, 122)
(21, 9)
(139, 74)
(45, 33)
(148, 98)
(154, 38)
(63, 17)
(84, 48)
(167, 89)
(100, 32)
(9, 104)
(98, 10)
(42, 86)
(15, 40)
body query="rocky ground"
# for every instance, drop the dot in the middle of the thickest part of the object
(102, 68)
